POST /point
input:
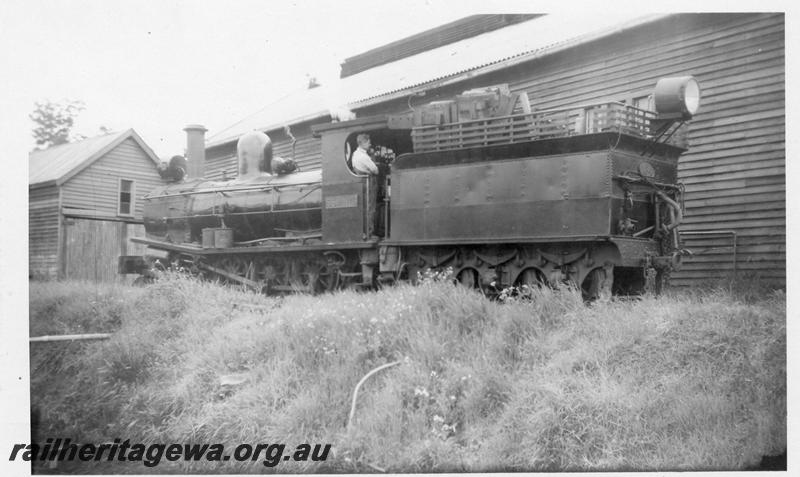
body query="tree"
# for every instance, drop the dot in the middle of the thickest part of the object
(54, 122)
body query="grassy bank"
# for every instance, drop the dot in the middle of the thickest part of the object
(681, 382)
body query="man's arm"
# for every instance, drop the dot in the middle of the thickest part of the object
(371, 165)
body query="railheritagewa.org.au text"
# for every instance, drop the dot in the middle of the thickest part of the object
(151, 455)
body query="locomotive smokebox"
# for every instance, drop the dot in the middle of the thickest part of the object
(196, 150)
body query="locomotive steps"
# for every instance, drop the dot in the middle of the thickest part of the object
(675, 383)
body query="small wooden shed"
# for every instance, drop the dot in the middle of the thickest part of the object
(85, 201)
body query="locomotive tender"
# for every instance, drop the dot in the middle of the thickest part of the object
(587, 195)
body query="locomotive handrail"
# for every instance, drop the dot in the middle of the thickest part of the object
(214, 214)
(237, 189)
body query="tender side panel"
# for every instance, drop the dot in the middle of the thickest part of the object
(543, 196)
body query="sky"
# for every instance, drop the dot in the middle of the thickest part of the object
(158, 66)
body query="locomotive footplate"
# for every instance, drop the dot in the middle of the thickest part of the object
(297, 268)
(197, 250)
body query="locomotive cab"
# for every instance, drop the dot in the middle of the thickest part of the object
(355, 205)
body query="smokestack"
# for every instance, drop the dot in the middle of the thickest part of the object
(195, 150)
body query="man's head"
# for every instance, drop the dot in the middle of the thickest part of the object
(363, 141)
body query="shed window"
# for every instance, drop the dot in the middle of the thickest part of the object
(126, 197)
(643, 102)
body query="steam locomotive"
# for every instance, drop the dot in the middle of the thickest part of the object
(586, 195)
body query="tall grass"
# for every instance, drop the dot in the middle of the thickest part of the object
(684, 382)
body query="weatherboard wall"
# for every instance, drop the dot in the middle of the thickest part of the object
(94, 191)
(221, 160)
(43, 232)
(734, 171)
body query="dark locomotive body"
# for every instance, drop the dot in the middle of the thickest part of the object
(549, 209)
(258, 207)
(586, 195)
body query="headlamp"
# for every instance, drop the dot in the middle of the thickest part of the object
(677, 98)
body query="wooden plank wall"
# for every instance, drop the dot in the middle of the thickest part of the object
(43, 233)
(97, 186)
(735, 168)
(308, 152)
(734, 171)
(93, 248)
(134, 230)
(221, 161)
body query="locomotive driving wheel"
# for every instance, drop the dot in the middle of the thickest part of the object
(327, 279)
(469, 278)
(597, 285)
(235, 266)
(530, 277)
(299, 278)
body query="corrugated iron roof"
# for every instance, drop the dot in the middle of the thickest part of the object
(296, 107)
(516, 43)
(449, 63)
(57, 164)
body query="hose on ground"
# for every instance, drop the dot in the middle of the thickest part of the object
(358, 386)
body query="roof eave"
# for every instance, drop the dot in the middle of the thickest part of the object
(147, 150)
(42, 185)
(271, 127)
(90, 160)
(130, 133)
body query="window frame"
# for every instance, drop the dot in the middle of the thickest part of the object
(647, 95)
(132, 202)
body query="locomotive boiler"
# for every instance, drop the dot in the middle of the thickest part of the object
(586, 195)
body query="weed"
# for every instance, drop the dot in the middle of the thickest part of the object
(533, 381)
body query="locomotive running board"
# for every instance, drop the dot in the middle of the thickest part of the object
(255, 249)
(494, 240)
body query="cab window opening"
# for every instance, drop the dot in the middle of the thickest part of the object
(385, 145)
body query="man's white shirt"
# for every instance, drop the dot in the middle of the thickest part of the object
(362, 162)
